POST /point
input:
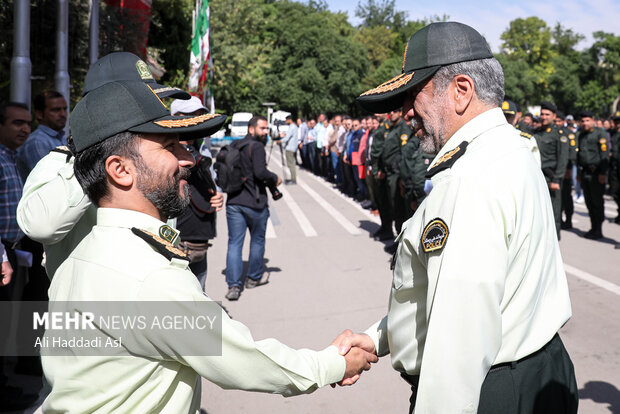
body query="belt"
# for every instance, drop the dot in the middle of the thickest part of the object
(514, 364)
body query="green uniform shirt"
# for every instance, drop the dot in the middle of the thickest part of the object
(378, 140)
(397, 137)
(593, 151)
(573, 146)
(553, 146)
(615, 146)
(412, 169)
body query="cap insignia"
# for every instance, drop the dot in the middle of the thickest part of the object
(434, 236)
(143, 70)
(181, 123)
(162, 246)
(392, 84)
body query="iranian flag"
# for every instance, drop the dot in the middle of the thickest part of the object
(201, 51)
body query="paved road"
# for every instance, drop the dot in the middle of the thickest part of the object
(326, 275)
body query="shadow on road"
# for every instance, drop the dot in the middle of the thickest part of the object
(602, 392)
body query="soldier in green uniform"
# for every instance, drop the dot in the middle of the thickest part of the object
(614, 176)
(412, 175)
(593, 161)
(567, 183)
(390, 157)
(385, 232)
(553, 146)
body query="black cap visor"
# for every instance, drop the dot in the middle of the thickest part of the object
(390, 95)
(188, 127)
(169, 92)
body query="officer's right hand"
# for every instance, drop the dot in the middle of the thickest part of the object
(7, 273)
(380, 175)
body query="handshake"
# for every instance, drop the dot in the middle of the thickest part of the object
(359, 352)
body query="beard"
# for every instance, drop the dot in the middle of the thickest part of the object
(433, 128)
(164, 192)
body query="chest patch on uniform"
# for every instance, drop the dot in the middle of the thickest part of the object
(403, 140)
(162, 246)
(434, 236)
(447, 160)
(563, 139)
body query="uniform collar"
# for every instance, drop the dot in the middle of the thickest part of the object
(471, 130)
(116, 217)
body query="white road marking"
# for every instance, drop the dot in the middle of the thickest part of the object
(604, 284)
(271, 232)
(299, 215)
(332, 211)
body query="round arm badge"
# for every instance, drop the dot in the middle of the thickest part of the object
(434, 235)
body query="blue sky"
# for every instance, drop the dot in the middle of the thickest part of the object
(491, 18)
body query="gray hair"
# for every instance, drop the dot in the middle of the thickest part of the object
(487, 74)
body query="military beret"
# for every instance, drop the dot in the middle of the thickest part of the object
(548, 106)
(586, 114)
(560, 115)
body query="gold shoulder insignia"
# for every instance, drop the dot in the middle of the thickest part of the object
(434, 236)
(525, 135)
(162, 246)
(447, 160)
(168, 233)
(548, 130)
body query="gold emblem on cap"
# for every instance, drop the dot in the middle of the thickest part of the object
(180, 123)
(505, 105)
(143, 70)
(392, 84)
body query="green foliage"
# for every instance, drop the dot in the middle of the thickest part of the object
(380, 13)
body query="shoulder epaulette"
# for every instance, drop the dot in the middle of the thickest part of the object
(447, 160)
(63, 150)
(162, 246)
(525, 135)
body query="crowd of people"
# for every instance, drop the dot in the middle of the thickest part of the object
(377, 160)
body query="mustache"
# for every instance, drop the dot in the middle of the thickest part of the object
(182, 174)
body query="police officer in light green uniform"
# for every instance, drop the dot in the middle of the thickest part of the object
(567, 183)
(385, 232)
(593, 161)
(391, 156)
(553, 147)
(412, 174)
(614, 176)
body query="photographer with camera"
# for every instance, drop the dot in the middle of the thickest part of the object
(197, 224)
(248, 208)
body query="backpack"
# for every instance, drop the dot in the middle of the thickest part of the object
(230, 176)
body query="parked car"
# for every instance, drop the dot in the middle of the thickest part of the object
(239, 124)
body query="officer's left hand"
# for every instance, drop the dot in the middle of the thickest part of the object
(554, 186)
(217, 201)
(7, 273)
(602, 179)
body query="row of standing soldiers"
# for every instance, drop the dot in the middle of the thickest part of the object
(398, 166)
(593, 151)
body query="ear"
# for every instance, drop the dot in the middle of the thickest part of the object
(120, 171)
(38, 114)
(463, 87)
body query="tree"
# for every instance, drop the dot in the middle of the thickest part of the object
(529, 40)
(565, 40)
(380, 13)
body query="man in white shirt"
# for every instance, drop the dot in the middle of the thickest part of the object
(479, 290)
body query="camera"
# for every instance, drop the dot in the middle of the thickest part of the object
(275, 193)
